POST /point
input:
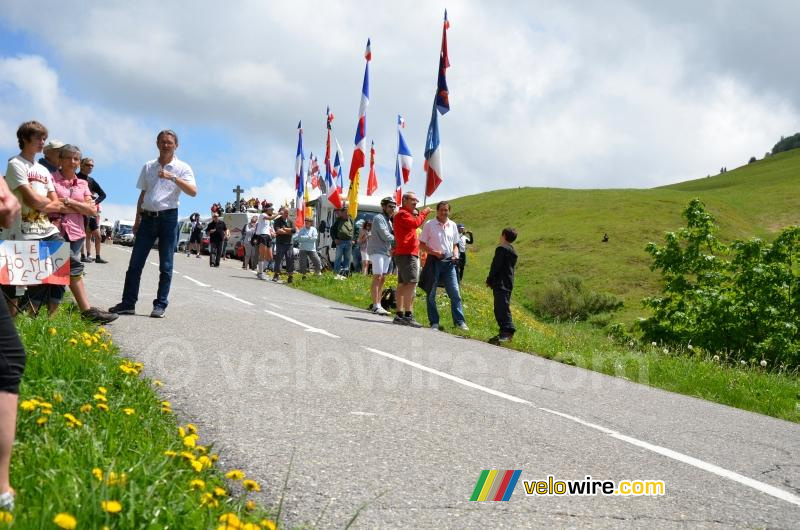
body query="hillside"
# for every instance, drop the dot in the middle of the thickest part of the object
(561, 230)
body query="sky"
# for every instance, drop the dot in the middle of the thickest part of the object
(574, 94)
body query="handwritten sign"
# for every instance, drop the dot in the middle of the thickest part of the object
(34, 262)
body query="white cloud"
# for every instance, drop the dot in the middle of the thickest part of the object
(115, 212)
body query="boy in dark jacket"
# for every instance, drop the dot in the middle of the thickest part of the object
(501, 280)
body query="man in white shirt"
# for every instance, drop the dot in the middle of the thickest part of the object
(161, 182)
(440, 240)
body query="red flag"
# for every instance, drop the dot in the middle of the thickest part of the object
(372, 181)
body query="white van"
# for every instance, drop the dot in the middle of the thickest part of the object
(368, 206)
(122, 234)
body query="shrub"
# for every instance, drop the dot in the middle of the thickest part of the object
(565, 299)
(740, 300)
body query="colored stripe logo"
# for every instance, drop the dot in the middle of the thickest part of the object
(496, 485)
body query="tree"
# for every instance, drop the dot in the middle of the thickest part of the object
(785, 144)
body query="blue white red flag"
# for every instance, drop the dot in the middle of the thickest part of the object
(360, 148)
(299, 179)
(402, 168)
(442, 94)
(433, 156)
(333, 190)
(338, 172)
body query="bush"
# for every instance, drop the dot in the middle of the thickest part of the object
(739, 300)
(565, 299)
(792, 142)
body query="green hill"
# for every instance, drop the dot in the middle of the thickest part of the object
(561, 230)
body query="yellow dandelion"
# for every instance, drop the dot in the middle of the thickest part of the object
(191, 428)
(45, 406)
(250, 506)
(208, 500)
(187, 455)
(66, 521)
(251, 485)
(41, 420)
(170, 453)
(129, 411)
(72, 342)
(197, 484)
(100, 397)
(201, 449)
(181, 430)
(235, 474)
(104, 346)
(190, 441)
(52, 331)
(102, 331)
(87, 342)
(197, 466)
(214, 457)
(86, 408)
(219, 492)
(111, 506)
(72, 421)
(230, 519)
(205, 461)
(114, 479)
(268, 524)
(102, 406)
(102, 389)
(166, 410)
(5, 517)
(97, 473)
(158, 382)
(249, 526)
(57, 397)
(85, 335)
(29, 405)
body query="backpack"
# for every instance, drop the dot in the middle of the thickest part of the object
(388, 298)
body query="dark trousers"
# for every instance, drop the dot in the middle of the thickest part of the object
(215, 252)
(502, 311)
(12, 354)
(282, 250)
(462, 262)
(162, 228)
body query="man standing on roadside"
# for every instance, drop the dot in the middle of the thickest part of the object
(217, 232)
(92, 226)
(464, 239)
(406, 257)
(283, 244)
(379, 248)
(440, 240)
(342, 235)
(161, 183)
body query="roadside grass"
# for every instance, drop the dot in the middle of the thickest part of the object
(686, 371)
(95, 446)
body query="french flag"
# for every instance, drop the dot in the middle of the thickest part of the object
(299, 179)
(360, 149)
(402, 168)
(433, 156)
(333, 190)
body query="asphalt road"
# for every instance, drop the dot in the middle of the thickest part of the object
(402, 421)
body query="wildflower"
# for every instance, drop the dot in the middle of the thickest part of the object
(97, 473)
(102, 331)
(111, 506)
(102, 406)
(208, 500)
(690, 347)
(41, 420)
(251, 485)
(166, 404)
(763, 363)
(214, 457)
(716, 358)
(29, 405)
(250, 506)
(190, 441)
(666, 351)
(743, 362)
(197, 466)
(158, 382)
(72, 421)
(230, 519)
(201, 449)
(129, 411)
(197, 484)
(100, 397)
(102, 390)
(166, 410)
(268, 524)
(205, 461)
(58, 398)
(52, 331)
(170, 453)
(5, 517)
(235, 474)
(87, 342)
(249, 526)
(653, 344)
(191, 428)
(72, 342)
(219, 492)
(65, 520)
(86, 408)
(187, 455)
(114, 479)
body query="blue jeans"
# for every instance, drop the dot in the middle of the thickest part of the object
(164, 228)
(342, 262)
(445, 270)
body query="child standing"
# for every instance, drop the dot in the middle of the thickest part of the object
(501, 281)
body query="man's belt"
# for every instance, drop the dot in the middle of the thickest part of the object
(148, 213)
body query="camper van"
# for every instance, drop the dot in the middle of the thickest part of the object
(185, 231)
(368, 206)
(235, 222)
(122, 234)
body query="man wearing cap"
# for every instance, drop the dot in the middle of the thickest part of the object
(342, 235)
(52, 156)
(307, 241)
(284, 230)
(464, 239)
(379, 248)
(161, 182)
(217, 231)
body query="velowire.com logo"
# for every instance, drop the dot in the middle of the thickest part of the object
(496, 485)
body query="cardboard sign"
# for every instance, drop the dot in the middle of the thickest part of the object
(34, 262)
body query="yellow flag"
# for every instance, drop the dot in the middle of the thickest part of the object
(352, 195)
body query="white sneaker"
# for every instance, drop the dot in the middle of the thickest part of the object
(463, 326)
(7, 501)
(435, 326)
(379, 310)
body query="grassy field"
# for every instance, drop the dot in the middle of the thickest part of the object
(96, 448)
(561, 230)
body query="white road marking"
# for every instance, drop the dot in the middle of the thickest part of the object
(663, 451)
(154, 263)
(310, 329)
(276, 306)
(232, 297)
(360, 413)
(176, 272)
(201, 284)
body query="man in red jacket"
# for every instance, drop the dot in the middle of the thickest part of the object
(406, 257)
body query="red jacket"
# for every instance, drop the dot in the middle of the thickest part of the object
(405, 232)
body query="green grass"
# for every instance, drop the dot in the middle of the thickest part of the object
(693, 373)
(53, 462)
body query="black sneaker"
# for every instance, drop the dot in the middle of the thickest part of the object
(289, 279)
(120, 309)
(158, 312)
(100, 260)
(98, 316)
(400, 320)
(87, 259)
(411, 322)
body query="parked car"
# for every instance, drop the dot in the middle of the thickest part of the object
(122, 233)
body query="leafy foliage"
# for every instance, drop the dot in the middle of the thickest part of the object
(791, 142)
(566, 299)
(741, 300)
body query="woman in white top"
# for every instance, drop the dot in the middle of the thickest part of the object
(248, 232)
(363, 236)
(266, 235)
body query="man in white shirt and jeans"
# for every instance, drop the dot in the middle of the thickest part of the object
(440, 240)
(161, 183)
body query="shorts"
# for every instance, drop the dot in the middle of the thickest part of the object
(195, 237)
(92, 223)
(264, 239)
(407, 268)
(75, 263)
(380, 263)
(364, 255)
